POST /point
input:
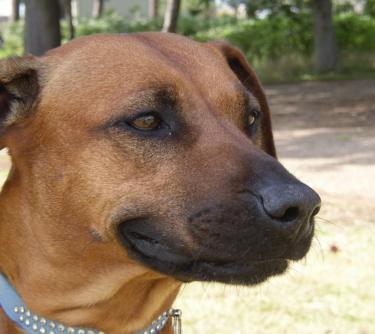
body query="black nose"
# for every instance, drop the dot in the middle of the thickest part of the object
(291, 207)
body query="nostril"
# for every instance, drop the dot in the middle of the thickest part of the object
(289, 215)
(293, 204)
(316, 211)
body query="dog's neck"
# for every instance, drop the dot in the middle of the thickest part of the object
(115, 297)
(16, 310)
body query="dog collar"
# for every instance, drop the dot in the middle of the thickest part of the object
(32, 323)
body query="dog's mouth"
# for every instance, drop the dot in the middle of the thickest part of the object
(171, 261)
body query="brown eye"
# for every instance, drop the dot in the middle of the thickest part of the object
(146, 122)
(252, 117)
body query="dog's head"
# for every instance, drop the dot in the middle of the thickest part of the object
(153, 149)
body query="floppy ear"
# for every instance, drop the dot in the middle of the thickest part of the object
(239, 65)
(19, 89)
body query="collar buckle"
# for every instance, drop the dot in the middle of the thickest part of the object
(176, 321)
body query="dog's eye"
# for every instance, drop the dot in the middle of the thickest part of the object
(252, 118)
(146, 122)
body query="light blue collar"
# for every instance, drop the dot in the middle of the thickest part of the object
(31, 323)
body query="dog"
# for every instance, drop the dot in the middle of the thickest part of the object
(139, 162)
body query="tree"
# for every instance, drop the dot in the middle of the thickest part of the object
(171, 15)
(98, 8)
(69, 18)
(66, 14)
(153, 8)
(42, 26)
(15, 10)
(324, 36)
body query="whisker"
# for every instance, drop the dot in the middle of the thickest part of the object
(316, 239)
(324, 220)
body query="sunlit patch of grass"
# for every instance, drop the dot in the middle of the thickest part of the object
(330, 292)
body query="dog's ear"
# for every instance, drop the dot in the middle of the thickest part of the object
(239, 65)
(19, 87)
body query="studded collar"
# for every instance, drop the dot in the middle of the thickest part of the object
(32, 323)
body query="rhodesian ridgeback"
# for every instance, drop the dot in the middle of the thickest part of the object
(139, 162)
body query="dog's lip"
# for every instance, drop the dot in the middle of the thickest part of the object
(186, 268)
(152, 248)
(250, 273)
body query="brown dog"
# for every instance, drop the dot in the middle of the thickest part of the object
(140, 162)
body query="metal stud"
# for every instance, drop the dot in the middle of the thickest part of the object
(52, 324)
(22, 318)
(43, 321)
(22, 309)
(42, 330)
(35, 318)
(81, 331)
(51, 332)
(71, 330)
(158, 327)
(61, 328)
(27, 322)
(16, 309)
(28, 313)
(90, 332)
(152, 331)
(35, 327)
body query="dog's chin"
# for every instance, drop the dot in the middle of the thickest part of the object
(171, 262)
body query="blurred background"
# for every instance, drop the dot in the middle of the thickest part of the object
(285, 40)
(316, 59)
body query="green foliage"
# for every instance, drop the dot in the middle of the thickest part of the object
(280, 47)
(12, 40)
(113, 23)
(266, 39)
(370, 8)
(273, 8)
(343, 7)
(193, 25)
(355, 33)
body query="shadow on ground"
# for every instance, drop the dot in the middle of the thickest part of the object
(325, 120)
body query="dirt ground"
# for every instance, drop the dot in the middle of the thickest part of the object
(325, 134)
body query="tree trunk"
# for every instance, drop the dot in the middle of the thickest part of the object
(171, 15)
(153, 7)
(69, 18)
(42, 26)
(62, 4)
(98, 8)
(324, 36)
(15, 10)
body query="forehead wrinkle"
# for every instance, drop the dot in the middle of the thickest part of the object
(180, 67)
(151, 97)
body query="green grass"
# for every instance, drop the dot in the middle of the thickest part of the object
(329, 292)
